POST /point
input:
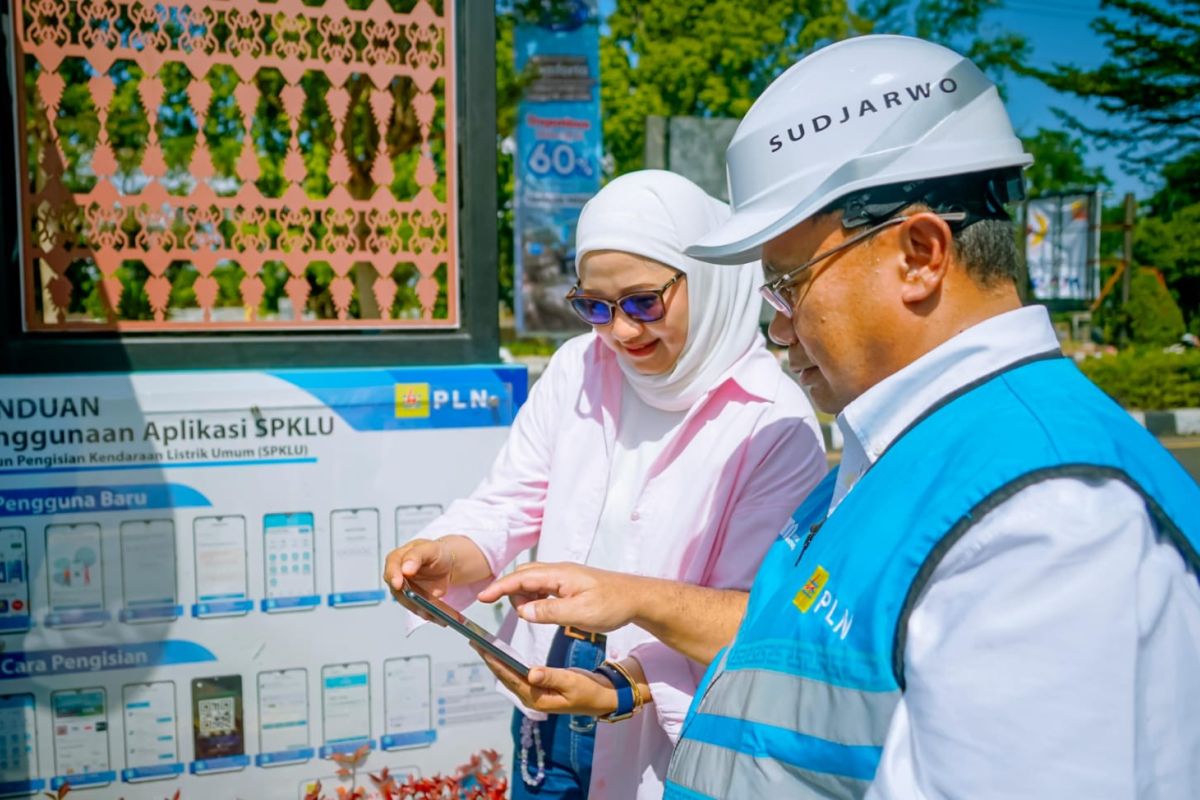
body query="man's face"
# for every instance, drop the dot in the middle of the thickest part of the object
(837, 334)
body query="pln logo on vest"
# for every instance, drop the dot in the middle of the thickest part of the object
(813, 596)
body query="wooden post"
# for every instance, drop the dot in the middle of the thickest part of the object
(1127, 254)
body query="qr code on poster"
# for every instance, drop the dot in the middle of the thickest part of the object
(217, 716)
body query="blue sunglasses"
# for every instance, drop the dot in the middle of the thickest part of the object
(646, 305)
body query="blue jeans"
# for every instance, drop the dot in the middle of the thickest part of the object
(567, 740)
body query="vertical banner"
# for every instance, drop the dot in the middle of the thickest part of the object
(1060, 247)
(558, 155)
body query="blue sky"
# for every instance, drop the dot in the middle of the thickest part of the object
(1058, 32)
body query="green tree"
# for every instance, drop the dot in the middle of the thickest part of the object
(1059, 164)
(1154, 318)
(1173, 247)
(714, 57)
(1180, 185)
(1149, 85)
(1168, 239)
(708, 58)
(508, 93)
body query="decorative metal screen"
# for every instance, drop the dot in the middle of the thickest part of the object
(237, 164)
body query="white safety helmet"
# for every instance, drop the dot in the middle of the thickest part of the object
(873, 111)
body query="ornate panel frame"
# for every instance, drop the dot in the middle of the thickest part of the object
(469, 328)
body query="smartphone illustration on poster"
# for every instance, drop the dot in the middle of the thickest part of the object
(148, 571)
(76, 575)
(14, 581)
(289, 562)
(345, 706)
(411, 519)
(151, 732)
(283, 730)
(221, 573)
(80, 720)
(407, 703)
(18, 746)
(218, 733)
(354, 556)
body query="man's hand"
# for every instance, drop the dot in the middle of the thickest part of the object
(557, 691)
(568, 594)
(694, 620)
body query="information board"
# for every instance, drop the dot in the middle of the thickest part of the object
(190, 578)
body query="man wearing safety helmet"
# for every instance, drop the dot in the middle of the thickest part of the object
(996, 593)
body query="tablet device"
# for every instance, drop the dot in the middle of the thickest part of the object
(453, 619)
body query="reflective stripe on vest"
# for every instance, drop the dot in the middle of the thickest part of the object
(754, 695)
(714, 771)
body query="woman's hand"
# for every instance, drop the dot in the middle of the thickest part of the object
(427, 565)
(557, 691)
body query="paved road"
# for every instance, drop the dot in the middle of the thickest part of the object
(1184, 448)
(1187, 450)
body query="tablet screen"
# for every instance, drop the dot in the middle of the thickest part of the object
(468, 628)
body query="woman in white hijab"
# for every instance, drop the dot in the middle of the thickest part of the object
(665, 443)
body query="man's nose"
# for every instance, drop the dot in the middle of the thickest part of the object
(780, 331)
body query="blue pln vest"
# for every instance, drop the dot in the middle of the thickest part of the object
(799, 705)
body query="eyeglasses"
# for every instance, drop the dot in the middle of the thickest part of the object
(776, 292)
(644, 306)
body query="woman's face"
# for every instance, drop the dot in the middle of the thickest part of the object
(651, 348)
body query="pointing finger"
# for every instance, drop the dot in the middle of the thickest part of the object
(539, 581)
(549, 611)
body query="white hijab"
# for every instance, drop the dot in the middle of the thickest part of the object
(656, 214)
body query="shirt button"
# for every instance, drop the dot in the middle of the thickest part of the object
(635, 516)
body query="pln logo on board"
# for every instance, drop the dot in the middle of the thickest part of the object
(412, 400)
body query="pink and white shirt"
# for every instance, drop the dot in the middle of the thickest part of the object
(743, 458)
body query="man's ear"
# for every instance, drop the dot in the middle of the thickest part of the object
(926, 243)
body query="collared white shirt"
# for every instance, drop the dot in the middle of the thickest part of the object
(644, 434)
(1055, 652)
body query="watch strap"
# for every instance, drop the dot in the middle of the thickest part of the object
(625, 693)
